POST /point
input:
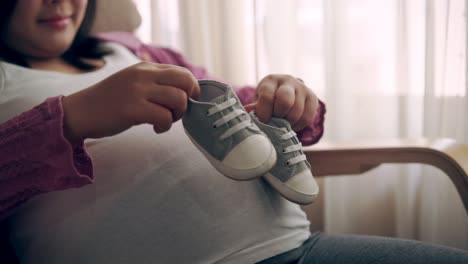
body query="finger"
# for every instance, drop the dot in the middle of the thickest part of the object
(297, 109)
(195, 91)
(180, 78)
(172, 98)
(266, 97)
(284, 100)
(310, 108)
(250, 107)
(156, 115)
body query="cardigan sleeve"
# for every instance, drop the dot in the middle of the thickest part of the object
(35, 157)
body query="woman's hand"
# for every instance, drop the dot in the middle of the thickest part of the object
(150, 93)
(287, 97)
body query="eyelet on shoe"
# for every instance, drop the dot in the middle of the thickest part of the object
(215, 126)
(287, 164)
(284, 151)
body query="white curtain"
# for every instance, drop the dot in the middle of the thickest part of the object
(385, 68)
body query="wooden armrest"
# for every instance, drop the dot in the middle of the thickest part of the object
(329, 158)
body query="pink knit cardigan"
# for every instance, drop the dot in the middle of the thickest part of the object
(36, 158)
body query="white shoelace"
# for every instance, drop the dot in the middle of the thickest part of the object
(293, 148)
(224, 119)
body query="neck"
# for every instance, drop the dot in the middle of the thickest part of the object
(52, 64)
(58, 64)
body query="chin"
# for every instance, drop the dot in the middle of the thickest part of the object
(55, 49)
(58, 44)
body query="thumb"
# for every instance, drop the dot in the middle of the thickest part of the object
(250, 107)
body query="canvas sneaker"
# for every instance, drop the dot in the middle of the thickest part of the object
(223, 131)
(291, 176)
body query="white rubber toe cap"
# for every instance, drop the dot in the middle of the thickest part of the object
(304, 183)
(251, 153)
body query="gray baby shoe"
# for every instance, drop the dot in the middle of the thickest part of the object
(223, 131)
(291, 176)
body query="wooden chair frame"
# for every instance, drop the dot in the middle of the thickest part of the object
(350, 158)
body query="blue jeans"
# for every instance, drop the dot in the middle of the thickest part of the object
(328, 249)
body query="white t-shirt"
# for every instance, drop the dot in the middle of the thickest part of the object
(155, 199)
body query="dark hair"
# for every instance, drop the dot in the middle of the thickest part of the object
(83, 47)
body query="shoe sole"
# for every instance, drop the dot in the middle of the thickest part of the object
(289, 193)
(237, 174)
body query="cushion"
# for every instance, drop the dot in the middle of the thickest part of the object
(116, 15)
